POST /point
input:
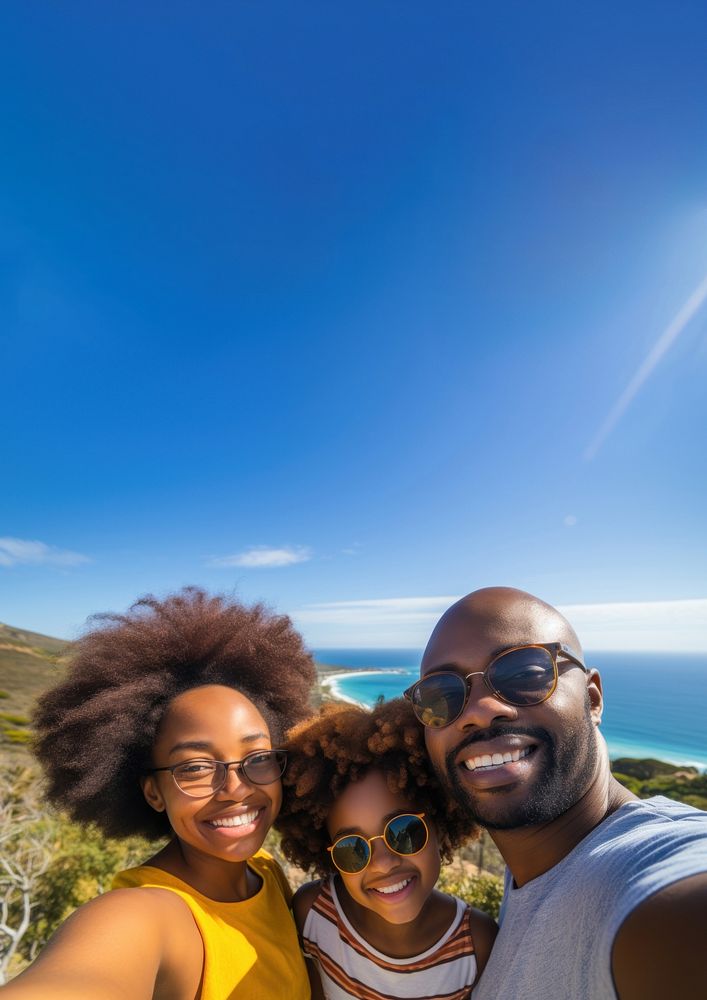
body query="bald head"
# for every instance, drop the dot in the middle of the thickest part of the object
(493, 619)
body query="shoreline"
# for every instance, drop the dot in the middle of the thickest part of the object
(330, 683)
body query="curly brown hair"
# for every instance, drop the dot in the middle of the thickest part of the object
(95, 730)
(342, 744)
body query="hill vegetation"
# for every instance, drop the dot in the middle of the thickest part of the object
(29, 664)
(647, 777)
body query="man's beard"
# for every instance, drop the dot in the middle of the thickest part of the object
(570, 766)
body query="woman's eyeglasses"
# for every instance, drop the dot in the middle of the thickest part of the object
(405, 835)
(201, 778)
(521, 676)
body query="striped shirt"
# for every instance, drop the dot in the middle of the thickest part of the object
(350, 967)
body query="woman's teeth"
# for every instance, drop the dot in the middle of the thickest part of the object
(386, 889)
(242, 820)
(494, 759)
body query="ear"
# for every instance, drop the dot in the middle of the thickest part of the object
(153, 796)
(595, 695)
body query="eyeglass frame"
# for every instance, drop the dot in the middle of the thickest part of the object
(555, 649)
(380, 836)
(238, 764)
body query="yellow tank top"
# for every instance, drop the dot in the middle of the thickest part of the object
(251, 951)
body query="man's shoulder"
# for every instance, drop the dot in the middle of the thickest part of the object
(664, 823)
(652, 841)
(646, 845)
(643, 853)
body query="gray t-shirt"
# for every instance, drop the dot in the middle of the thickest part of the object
(557, 931)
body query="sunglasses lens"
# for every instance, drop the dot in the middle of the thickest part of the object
(406, 834)
(438, 700)
(351, 854)
(523, 676)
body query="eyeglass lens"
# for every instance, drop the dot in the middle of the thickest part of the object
(520, 677)
(204, 777)
(404, 835)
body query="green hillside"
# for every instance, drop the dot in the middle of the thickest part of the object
(29, 664)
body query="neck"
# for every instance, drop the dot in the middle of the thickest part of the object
(222, 881)
(533, 850)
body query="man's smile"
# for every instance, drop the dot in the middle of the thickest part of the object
(494, 759)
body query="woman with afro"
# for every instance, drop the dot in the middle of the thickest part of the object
(363, 810)
(169, 724)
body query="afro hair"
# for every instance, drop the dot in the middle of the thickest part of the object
(95, 730)
(341, 745)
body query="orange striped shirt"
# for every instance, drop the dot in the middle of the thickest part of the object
(350, 967)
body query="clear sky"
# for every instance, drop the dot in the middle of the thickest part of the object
(356, 302)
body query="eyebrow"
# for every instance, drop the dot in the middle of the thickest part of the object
(347, 830)
(207, 746)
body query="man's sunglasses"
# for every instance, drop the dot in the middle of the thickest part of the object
(520, 676)
(405, 835)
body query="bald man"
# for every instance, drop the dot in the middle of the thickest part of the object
(606, 894)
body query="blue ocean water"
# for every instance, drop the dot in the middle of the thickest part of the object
(655, 703)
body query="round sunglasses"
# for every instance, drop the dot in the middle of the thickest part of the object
(520, 676)
(406, 835)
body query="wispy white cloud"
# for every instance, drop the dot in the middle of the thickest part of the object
(390, 608)
(22, 552)
(680, 626)
(262, 557)
(395, 621)
(661, 346)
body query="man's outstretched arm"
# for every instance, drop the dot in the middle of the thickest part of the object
(661, 947)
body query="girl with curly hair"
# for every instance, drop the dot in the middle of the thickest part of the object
(170, 723)
(363, 810)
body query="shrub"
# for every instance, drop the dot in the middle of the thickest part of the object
(483, 891)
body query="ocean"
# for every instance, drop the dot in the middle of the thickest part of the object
(655, 704)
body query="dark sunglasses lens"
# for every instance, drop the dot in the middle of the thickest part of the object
(406, 834)
(350, 854)
(438, 700)
(523, 676)
(263, 768)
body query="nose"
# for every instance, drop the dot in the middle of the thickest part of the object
(235, 779)
(382, 858)
(482, 706)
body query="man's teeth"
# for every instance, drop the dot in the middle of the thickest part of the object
(394, 888)
(494, 759)
(240, 820)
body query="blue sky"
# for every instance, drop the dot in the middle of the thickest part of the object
(344, 303)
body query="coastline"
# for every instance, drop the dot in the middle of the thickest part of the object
(331, 677)
(330, 682)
